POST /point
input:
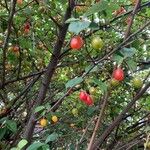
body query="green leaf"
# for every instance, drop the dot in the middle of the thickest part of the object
(39, 108)
(94, 26)
(22, 143)
(147, 129)
(78, 26)
(128, 52)
(2, 132)
(101, 84)
(73, 82)
(118, 59)
(91, 110)
(45, 147)
(98, 7)
(71, 147)
(11, 125)
(91, 68)
(14, 148)
(72, 20)
(35, 146)
(111, 7)
(131, 64)
(51, 137)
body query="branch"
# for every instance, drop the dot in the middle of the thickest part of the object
(48, 74)
(58, 103)
(84, 133)
(99, 121)
(132, 18)
(10, 19)
(12, 103)
(23, 78)
(117, 121)
(124, 42)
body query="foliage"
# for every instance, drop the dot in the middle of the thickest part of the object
(32, 50)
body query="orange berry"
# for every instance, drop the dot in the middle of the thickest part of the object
(54, 119)
(43, 122)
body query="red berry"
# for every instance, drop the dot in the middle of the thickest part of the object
(27, 25)
(118, 74)
(16, 49)
(89, 100)
(26, 31)
(83, 96)
(76, 42)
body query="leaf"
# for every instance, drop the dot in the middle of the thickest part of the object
(131, 64)
(94, 26)
(128, 52)
(2, 132)
(72, 20)
(22, 143)
(101, 84)
(39, 108)
(73, 82)
(98, 7)
(78, 26)
(91, 68)
(35, 146)
(91, 110)
(14, 148)
(51, 137)
(11, 125)
(45, 147)
(110, 9)
(118, 59)
(147, 129)
(71, 147)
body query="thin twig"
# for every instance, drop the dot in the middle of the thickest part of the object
(99, 120)
(10, 19)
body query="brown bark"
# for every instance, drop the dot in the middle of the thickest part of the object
(120, 117)
(49, 73)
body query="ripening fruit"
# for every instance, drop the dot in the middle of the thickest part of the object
(114, 82)
(89, 100)
(97, 43)
(83, 96)
(19, 2)
(75, 111)
(137, 83)
(76, 42)
(26, 31)
(118, 74)
(54, 119)
(16, 49)
(92, 90)
(27, 25)
(43, 122)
